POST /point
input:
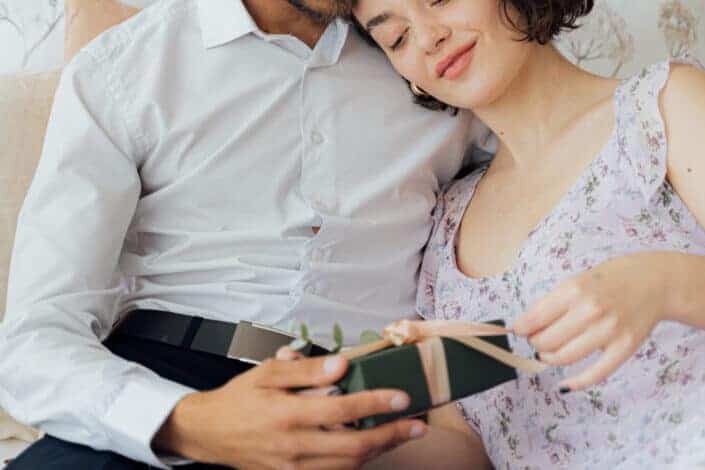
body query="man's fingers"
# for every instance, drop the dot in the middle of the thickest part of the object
(359, 445)
(285, 353)
(320, 391)
(328, 463)
(303, 373)
(329, 411)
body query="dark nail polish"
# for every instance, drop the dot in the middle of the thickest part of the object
(564, 390)
(537, 356)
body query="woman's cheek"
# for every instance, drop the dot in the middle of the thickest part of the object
(413, 70)
(402, 67)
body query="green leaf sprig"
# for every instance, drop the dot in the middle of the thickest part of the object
(304, 339)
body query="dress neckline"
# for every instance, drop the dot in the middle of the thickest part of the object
(474, 180)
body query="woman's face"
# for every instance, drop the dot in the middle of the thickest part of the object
(463, 52)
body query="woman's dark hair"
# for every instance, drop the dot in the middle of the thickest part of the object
(539, 21)
(543, 20)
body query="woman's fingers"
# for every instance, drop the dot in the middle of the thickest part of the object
(566, 328)
(594, 337)
(542, 313)
(616, 353)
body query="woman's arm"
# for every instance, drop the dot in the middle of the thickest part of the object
(449, 444)
(683, 107)
(614, 307)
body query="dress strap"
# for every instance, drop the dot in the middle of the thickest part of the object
(449, 210)
(640, 126)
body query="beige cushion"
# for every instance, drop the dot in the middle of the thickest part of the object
(25, 104)
(86, 19)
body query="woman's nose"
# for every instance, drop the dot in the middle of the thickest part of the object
(432, 37)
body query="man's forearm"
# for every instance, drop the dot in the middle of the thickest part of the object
(175, 435)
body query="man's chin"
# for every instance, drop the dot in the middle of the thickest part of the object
(324, 11)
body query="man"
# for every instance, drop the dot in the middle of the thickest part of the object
(209, 163)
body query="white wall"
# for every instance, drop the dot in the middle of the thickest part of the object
(632, 33)
(622, 36)
(32, 34)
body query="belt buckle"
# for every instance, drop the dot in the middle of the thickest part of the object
(254, 343)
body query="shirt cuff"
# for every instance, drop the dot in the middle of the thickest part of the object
(137, 414)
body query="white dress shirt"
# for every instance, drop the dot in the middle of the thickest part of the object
(187, 158)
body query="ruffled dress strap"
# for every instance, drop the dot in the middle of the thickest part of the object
(450, 207)
(640, 127)
(425, 294)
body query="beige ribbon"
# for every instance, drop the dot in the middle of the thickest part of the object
(468, 333)
(435, 367)
(407, 332)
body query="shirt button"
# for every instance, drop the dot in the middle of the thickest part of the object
(317, 255)
(310, 289)
(317, 138)
(319, 204)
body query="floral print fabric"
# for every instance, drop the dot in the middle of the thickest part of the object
(650, 413)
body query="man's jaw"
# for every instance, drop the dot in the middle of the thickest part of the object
(326, 11)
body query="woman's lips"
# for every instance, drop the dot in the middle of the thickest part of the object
(455, 64)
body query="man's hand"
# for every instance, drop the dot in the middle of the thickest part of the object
(255, 422)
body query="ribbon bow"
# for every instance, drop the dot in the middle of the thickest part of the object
(469, 333)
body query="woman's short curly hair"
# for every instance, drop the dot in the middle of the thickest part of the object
(538, 21)
(542, 20)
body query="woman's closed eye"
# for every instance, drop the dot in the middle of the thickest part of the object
(400, 40)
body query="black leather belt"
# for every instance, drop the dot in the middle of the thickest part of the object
(244, 341)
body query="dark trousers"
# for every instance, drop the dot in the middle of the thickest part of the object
(198, 370)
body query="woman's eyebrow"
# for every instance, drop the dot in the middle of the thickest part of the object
(376, 21)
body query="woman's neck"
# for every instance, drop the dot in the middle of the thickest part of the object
(547, 96)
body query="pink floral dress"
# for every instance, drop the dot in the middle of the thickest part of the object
(651, 413)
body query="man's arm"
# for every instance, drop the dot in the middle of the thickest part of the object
(55, 373)
(64, 285)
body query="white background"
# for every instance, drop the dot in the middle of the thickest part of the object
(635, 32)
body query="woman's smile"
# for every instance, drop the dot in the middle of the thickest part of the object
(456, 63)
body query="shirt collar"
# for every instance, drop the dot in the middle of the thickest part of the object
(223, 21)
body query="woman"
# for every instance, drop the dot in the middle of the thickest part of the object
(585, 233)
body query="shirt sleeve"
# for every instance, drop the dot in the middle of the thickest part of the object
(65, 287)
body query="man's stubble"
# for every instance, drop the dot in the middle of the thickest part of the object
(324, 11)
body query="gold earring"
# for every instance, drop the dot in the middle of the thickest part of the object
(415, 89)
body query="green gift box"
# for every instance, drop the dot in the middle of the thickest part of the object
(433, 372)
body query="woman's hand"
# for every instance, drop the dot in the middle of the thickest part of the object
(612, 308)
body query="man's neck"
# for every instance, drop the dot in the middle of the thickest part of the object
(280, 17)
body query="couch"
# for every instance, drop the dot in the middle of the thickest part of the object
(619, 38)
(30, 97)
